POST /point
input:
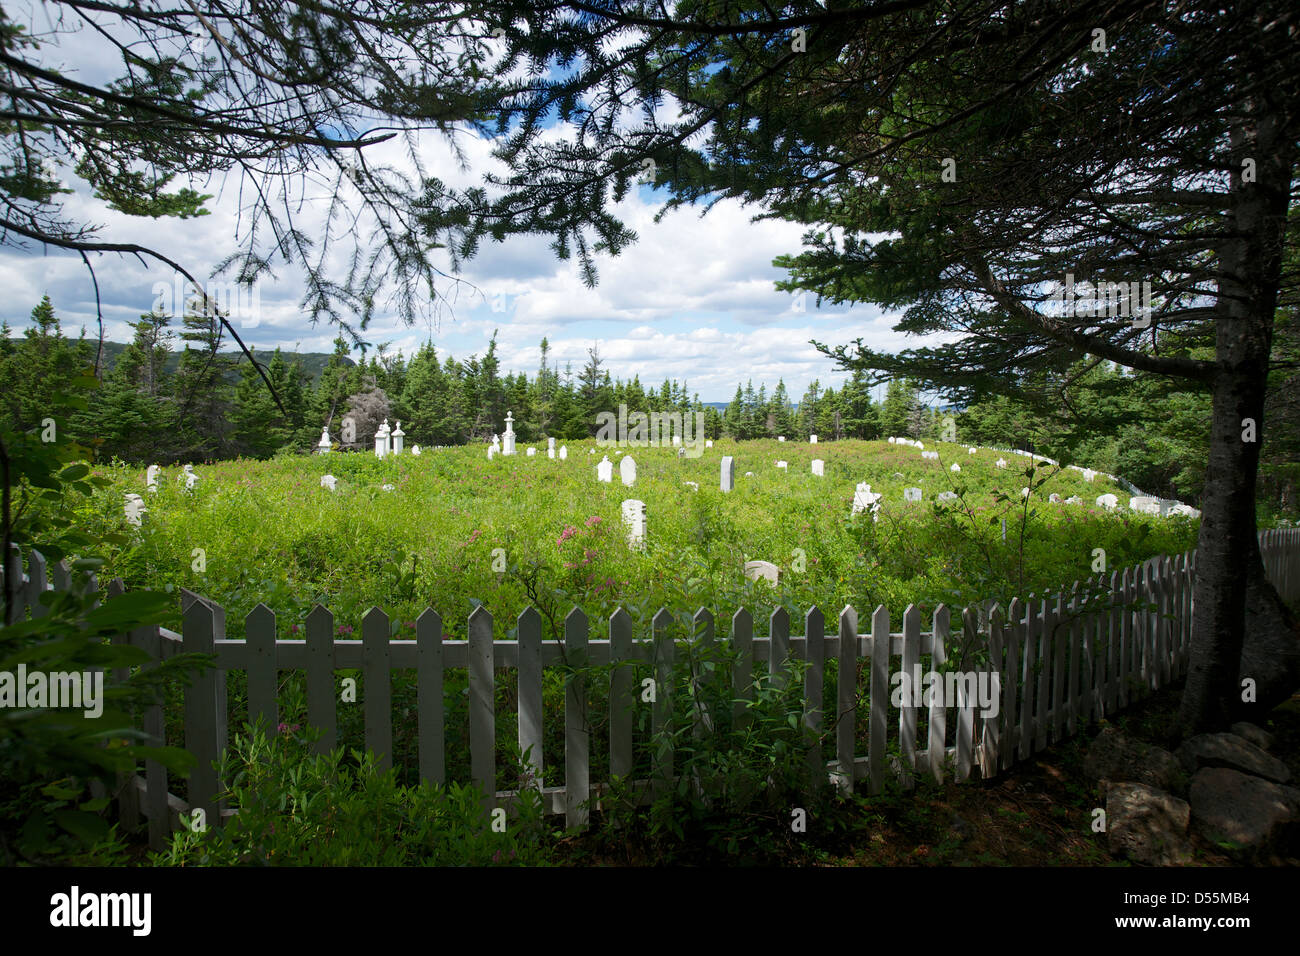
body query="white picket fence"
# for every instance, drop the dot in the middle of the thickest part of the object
(1059, 667)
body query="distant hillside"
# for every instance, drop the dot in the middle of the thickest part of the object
(312, 362)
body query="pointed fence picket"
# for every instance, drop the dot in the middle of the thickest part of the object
(1058, 663)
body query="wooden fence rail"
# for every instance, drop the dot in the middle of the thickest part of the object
(1060, 661)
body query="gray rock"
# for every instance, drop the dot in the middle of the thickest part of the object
(1115, 757)
(1147, 825)
(1229, 750)
(1258, 736)
(1256, 816)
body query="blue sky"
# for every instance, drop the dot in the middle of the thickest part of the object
(693, 299)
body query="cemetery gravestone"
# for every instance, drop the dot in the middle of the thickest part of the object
(508, 439)
(627, 469)
(564, 452)
(328, 481)
(728, 472)
(323, 446)
(634, 519)
(764, 570)
(134, 508)
(605, 469)
(911, 494)
(819, 467)
(1109, 502)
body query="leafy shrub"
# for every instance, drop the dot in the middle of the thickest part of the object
(298, 808)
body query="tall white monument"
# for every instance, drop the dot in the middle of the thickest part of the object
(508, 439)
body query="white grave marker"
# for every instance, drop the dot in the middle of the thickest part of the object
(605, 469)
(911, 494)
(819, 467)
(728, 473)
(329, 481)
(634, 518)
(134, 508)
(627, 470)
(764, 570)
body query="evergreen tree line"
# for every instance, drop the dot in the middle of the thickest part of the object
(214, 405)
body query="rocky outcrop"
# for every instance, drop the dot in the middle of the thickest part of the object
(1248, 816)
(1233, 752)
(1115, 757)
(1147, 825)
(1238, 799)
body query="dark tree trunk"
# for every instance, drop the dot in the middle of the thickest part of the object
(1229, 572)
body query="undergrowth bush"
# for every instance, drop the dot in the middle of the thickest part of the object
(298, 808)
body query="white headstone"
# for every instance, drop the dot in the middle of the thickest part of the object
(1024, 492)
(397, 439)
(550, 448)
(812, 439)
(1109, 502)
(323, 446)
(151, 477)
(604, 469)
(864, 499)
(190, 478)
(911, 494)
(564, 452)
(1000, 463)
(329, 481)
(492, 451)
(955, 467)
(766, 570)
(892, 440)
(508, 439)
(634, 519)
(591, 451)
(677, 440)
(783, 464)
(780, 438)
(946, 496)
(1144, 505)
(728, 472)
(970, 451)
(1089, 474)
(415, 450)
(917, 444)
(708, 443)
(627, 470)
(818, 467)
(1054, 498)
(1074, 500)
(1184, 511)
(694, 485)
(387, 487)
(134, 508)
(531, 452)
